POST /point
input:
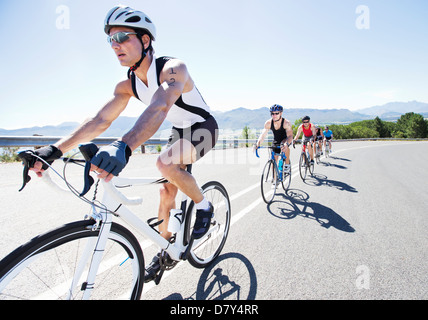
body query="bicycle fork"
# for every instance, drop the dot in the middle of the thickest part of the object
(94, 246)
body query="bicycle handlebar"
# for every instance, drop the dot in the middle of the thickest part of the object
(270, 147)
(29, 158)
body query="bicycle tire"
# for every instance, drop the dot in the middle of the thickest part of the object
(269, 182)
(43, 268)
(286, 178)
(303, 167)
(205, 250)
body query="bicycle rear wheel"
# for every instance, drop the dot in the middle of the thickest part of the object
(43, 268)
(303, 167)
(205, 250)
(269, 182)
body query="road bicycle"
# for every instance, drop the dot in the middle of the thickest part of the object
(97, 258)
(272, 175)
(305, 163)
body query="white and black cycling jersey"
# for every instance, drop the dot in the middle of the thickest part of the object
(189, 108)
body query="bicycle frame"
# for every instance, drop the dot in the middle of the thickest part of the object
(305, 149)
(272, 157)
(116, 201)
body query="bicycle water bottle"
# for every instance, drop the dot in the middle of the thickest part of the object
(280, 165)
(175, 220)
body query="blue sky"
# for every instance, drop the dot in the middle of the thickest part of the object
(241, 53)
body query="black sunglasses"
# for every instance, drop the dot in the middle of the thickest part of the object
(119, 37)
(275, 113)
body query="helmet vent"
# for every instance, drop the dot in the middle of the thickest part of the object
(133, 19)
(148, 20)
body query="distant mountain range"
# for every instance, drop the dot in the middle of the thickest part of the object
(238, 118)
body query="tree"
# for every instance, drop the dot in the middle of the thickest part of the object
(412, 125)
(380, 127)
(247, 134)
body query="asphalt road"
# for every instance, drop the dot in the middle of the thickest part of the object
(355, 230)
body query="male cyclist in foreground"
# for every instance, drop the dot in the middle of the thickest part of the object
(165, 86)
(308, 130)
(282, 134)
(328, 135)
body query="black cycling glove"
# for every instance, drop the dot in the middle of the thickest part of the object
(112, 158)
(49, 154)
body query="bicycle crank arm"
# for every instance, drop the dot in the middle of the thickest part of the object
(159, 276)
(186, 253)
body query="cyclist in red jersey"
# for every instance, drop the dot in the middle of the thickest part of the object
(308, 130)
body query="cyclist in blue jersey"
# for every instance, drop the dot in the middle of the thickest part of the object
(328, 135)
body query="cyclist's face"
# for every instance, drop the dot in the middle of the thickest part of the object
(306, 123)
(276, 114)
(129, 51)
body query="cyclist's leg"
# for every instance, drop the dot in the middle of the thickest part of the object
(170, 164)
(287, 154)
(276, 161)
(168, 192)
(311, 149)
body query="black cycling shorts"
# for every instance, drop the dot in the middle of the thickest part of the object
(202, 135)
(308, 139)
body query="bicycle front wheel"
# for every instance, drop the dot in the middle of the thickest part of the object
(303, 166)
(45, 268)
(205, 250)
(269, 182)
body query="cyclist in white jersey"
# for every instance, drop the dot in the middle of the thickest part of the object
(165, 86)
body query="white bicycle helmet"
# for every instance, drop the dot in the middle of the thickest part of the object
(123, 16)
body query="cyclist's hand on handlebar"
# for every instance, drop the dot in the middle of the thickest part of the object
(49, 154)
(255, 147)
(110, 160)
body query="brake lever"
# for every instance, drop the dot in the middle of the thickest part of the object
(88, 150)
(28, 160)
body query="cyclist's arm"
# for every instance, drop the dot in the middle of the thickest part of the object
(314, 132)
(96, 125)
(289, 130)
(264, 133)
(93, 127)
(299, 132)
(175, 80)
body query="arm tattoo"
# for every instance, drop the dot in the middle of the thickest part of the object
(172, 79)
